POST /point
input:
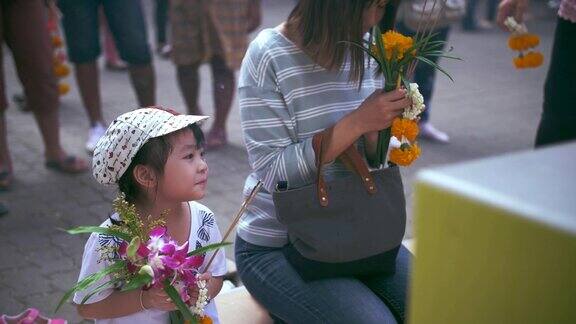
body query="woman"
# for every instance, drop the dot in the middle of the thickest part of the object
(297, 80)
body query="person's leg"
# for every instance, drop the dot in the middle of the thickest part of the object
(161, 20)
(111, 57)
(189, 82)
(491, 9)
(27, 37)
(80, 22)
(274, 283)
(559, 112)
(469, 20)
(5, 161)
(393, 289)
(126, 21)
(223, 87)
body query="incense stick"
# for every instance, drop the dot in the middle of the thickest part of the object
(243, 208)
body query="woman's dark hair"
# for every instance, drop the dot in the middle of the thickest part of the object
(324, 24)
(154, 154)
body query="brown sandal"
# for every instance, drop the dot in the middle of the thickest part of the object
(70, 164)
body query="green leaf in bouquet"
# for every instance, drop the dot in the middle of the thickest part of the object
(100, 230)
(104, 286)
(90, 280)
(138, 281)
(208, 248)
(436, 66)
(182, 307)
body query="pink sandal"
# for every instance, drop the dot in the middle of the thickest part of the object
(30, 316)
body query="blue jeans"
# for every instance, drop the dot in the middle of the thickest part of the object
(125, 19)
(277, 286)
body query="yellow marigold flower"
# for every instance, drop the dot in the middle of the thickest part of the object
(529, 60)
(205, 320)
(534, 59)
(523, 42)
(405, 155)
(405, 127)
(61, 70)
(63, 88)
(532, 40)
(57, 41)
(395, 44)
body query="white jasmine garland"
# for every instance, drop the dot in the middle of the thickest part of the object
(202, 301)
(514, 26)
(417, 106)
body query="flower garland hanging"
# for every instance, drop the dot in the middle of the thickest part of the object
(524, 42)
(405, 129)
(61, 68)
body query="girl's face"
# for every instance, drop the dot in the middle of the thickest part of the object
(373, 14)
(186, 172)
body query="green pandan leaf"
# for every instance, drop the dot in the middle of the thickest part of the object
(182, 307)
(90, 280)
(208, 248)
(104, 286)
(100, 230)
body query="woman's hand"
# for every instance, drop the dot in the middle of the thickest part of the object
(508, 8)
(157, 298)
(379, 110)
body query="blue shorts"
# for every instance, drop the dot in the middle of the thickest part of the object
(125, 19)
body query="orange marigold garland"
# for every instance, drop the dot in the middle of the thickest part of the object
(61, 68)
(405, 129)
(405, 154)
(523, 42)
(402, 127)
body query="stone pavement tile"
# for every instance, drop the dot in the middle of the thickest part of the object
(62, 281)
(29, 240)
(72, 245)
(26, 281)
(10, 258)
(8, 304)
(53, 265)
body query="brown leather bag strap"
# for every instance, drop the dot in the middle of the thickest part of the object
(319, 144)
(351, 158)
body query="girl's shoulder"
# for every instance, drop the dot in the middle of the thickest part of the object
(203, 224)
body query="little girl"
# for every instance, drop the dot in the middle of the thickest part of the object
(155, 156)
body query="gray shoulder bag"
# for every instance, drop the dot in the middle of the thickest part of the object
(349, 226)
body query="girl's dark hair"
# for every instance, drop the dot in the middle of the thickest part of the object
(324, 24)
(154, 154)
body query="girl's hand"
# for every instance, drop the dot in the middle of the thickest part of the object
(379, 110)
(157, 298)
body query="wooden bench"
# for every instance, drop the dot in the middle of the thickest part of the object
(236, 306)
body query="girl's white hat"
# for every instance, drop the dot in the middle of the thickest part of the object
(128, 133)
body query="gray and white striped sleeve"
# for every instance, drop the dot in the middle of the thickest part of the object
(269, 130)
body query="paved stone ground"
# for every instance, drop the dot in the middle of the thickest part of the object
(491, 109)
